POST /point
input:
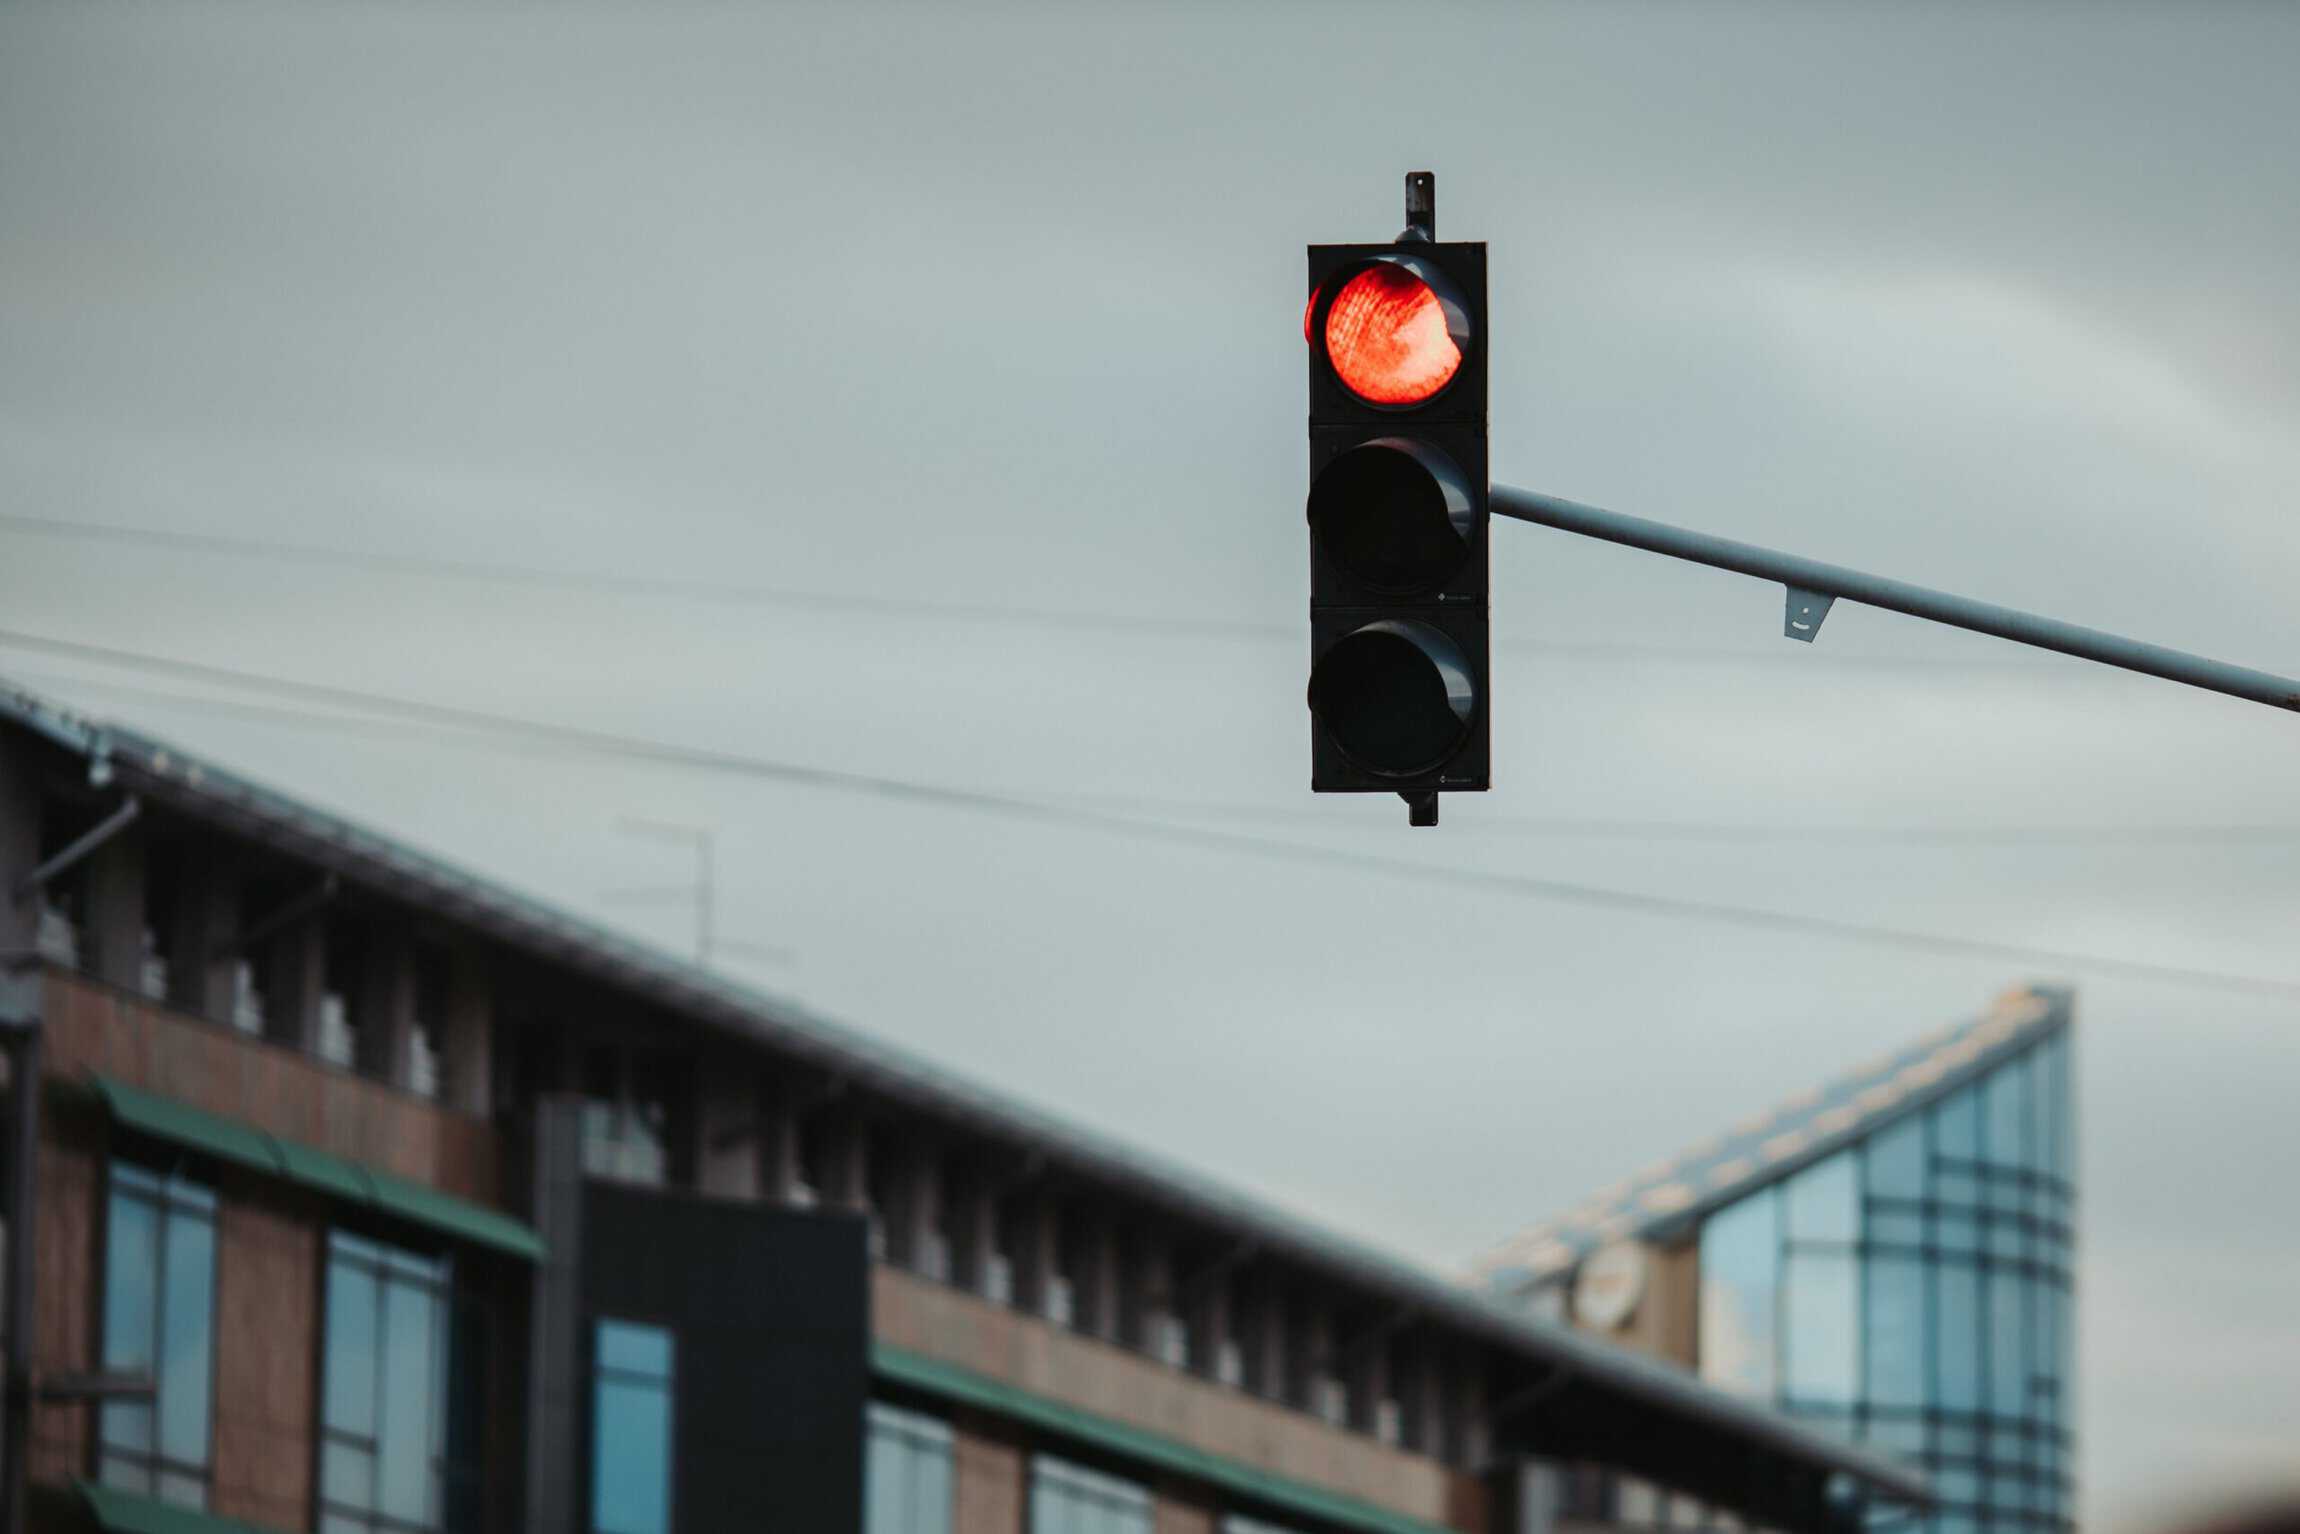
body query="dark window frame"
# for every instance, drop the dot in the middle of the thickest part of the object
(180, 1171)
(442, 1466)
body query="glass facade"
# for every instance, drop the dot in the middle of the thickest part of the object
(908, 1485)
(1913, 1291)
(383, 1429)
(159, 1319)
(631, 1399)
(1070, 1499)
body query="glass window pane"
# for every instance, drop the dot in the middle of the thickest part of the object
(346, 1475)
(909, 1483)
(127, 1425)
(930, 1494)
(351, 1345)
(2004, 1106)
(1896, 1160)
(1892, 1226)
(1901, 1435)
(1957, 1288)
(1823, 1335)
(2008, 1362)
(131, 1273)
(1740, 1279)
(185, 1338)
(886, 1479)
(1824, 1201)
(403, 1471)
(631, 1459)
(1957, 1126)
(635, 1349)
(1896, 1331)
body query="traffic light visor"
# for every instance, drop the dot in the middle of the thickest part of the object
(1395, 513)
(1389, 336)
(1396, 696)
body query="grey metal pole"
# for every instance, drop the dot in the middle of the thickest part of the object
(1813, 585)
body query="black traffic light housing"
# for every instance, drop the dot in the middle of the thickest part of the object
(1400, 686)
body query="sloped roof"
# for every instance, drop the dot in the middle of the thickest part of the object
(1599, 1379)
(1669, 1197)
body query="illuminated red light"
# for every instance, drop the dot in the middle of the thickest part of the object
(1386, 337)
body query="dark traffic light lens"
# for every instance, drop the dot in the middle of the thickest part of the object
(1388, 337)
(1395, 696)
(1395, 514)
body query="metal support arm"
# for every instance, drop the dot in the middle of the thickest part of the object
(1813, 585)
(82, 848)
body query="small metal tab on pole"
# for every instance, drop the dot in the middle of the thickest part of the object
(1421, 206)
(1806, 610)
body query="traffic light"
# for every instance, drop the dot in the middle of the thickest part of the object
(1399, 681)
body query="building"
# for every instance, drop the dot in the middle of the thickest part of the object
(1888, 1259)
(348, 1192)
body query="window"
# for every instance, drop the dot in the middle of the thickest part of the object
(1896, 1161)
(383, 1429)
(2004, 1114)
(1824, 1201)
(339, 1020)
(1070, 1499)
(428, 1024)
(2008, 1331)
(159, 1318)
(631, 1429)
(631, 1106)
(1168, 1338)
(1957, 1127)
(1822, 1331)
(1896, 1331)
(163, 879)
(908, 1486)
(1740, 1287)
(1958, 1356)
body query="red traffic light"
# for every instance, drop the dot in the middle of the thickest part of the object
(1389, 337)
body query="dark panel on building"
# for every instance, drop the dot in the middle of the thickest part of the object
(770, 1309)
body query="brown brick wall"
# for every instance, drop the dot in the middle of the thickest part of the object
(267, 1349)
(944, 1323)
(1178, 1511)
(989, 1481)
(70, 1224)
(93, 1028)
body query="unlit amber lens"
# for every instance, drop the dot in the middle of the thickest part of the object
(1386, 337)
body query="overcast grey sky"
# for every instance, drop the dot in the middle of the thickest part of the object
(999, 305)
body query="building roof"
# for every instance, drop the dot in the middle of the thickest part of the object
(1673, 1196)
(1577, 1365)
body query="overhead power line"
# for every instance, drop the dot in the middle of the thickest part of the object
(740, 593)
(1046, 812)
(1326, 817)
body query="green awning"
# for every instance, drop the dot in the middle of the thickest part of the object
(349, 1181)
(459, 1217)
(124, 1512)
(963, 1386)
